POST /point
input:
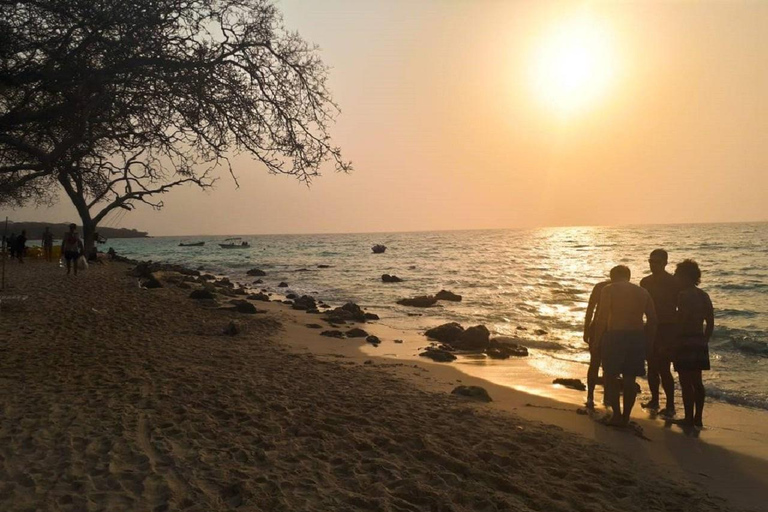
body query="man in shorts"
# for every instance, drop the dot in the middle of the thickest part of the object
(71, 247)
(624, 337)
(592, 341)
(664, 289)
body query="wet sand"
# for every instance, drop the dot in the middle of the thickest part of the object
(114, 397)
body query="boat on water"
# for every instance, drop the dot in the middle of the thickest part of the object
(192, 244)
(232, 243)
(378, 248)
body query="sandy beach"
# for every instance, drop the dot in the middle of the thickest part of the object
(114, 397)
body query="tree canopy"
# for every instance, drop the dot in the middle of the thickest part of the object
(116, 101)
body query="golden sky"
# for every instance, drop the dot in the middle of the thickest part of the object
(462, 114)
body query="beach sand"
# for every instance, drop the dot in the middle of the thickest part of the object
(114, 397)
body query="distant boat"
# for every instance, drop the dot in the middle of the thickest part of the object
(192, 244)
(378, 248)
(234, 245)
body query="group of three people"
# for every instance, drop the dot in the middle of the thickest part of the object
(679, 320)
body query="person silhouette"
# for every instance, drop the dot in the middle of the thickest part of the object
(624, 339)
(695, 323)
(663, 288)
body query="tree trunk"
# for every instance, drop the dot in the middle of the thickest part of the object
(89, 230)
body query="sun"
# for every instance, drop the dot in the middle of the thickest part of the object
(574, 65)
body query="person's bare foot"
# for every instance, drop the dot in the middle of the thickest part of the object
(668, 412)
(685, 422)
(653, 404)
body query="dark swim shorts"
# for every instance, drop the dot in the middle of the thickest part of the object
(71, 255)
(624, 353)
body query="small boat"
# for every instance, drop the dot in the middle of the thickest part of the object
(378, 248)
(192, 244)
(234, 245)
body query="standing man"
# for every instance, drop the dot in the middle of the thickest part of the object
(21, 245)
(71, 247)
(664, 289)
(592, 341)
(624, 338)
(48, 244)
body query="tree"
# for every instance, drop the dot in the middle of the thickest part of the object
(118, 101)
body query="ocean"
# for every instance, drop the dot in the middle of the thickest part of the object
(515, 282)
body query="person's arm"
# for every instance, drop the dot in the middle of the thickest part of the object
(651, 320)
(709, 317)
(603, 313)
(590, 311)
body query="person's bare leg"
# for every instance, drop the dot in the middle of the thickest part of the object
(653, 382)
(612, 391)
(69, 265)
(699, 394)
(688, 397)
(630, 394)
(592, 372)
(668, 383)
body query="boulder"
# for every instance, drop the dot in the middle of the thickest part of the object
(332, 334)
(372, 339)
(447, 333)
(446, 295)
(201, 295)
(438, 355)
(504, 347)
(258, 281)
(152, 282)
(259, 296)
(356, 333)
(305, 303)
(348, 312)
(232, 329)
(243, 306)
(256, 272)
(571, 383)
(314, 326)
(473, 338)
(506, 351)
(390, 278)
(473, 392)
(422, 301)
(291, 296)
(323, 266)
(539, 332)
(371, 316)
(283, 284)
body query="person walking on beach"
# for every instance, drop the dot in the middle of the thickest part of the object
(71, 247)
(663, 288)
(592, 341)
(48, 244)
(21, 245)
(695, 323)
(624, 338)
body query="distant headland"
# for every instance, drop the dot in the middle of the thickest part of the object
(35, 230)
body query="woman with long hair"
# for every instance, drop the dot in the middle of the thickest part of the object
(695, 322)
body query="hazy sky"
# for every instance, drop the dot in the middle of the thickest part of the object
(463, 114)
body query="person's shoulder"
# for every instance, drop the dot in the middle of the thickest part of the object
(646, 280)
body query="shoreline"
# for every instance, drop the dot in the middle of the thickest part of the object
(738, 478)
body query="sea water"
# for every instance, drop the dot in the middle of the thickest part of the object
(513, 281)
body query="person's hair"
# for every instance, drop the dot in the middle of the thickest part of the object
(620, 271)
(73, 226)
(660, 254)
(689, 269)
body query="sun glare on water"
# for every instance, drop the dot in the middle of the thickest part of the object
(573, 65)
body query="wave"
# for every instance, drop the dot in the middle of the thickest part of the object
(741, 313)
(745, 286)
(740, 398)
(741, 341)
